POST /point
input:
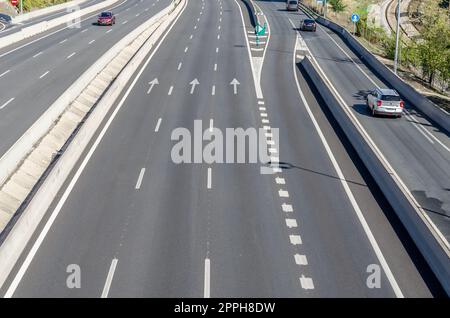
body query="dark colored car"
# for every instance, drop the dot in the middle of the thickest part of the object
(106, 18)
(308, 25)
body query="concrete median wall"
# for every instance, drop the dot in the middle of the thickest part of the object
(408, 93)
(43, 26)
(399, 197)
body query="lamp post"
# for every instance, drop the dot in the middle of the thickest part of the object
(397, 35)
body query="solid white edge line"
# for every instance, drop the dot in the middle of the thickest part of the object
(346, 187)
(207, 279)
(37, 243)
(109, 278)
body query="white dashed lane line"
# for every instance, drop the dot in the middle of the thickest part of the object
(61, 42)
(36, 55)
(69, 56)
(209, 179)
(179, 66)
(170, 90)
(287, 208)
(6, 104)
(295, 239)
(43, 75)
(140, 178)
(5, 72)
(90, 42)
(158, 124)
(109, 278)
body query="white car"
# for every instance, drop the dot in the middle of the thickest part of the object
(292, 5)
(385, 101)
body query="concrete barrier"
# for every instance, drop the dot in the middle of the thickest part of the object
(408, 93)
(47, 25)
(44, 11)
(24, 227)
(412, 216)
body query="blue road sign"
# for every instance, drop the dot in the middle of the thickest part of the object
(355, 17)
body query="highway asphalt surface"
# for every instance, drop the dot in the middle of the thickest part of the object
(35, 72)
(417, 149)
(139, 225)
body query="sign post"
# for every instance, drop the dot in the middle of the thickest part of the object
(355, 18)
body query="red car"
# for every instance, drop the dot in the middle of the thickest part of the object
(106, 18)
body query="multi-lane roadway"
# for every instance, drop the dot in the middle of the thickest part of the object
(139, 225)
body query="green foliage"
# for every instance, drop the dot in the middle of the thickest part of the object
(337, 5)
(34, 4)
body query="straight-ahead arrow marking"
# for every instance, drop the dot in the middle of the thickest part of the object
(235, 83)
(194, 83)
(152, 83)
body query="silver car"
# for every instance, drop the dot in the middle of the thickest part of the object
(292, 5)
(385, 101)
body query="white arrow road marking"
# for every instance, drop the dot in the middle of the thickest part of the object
(194, 83)
(152, 83)
(109, 278)
(235, 83)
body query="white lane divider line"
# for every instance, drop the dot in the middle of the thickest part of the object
(191, 36)
(287, 208)
(139, 180)
(109, 278)
(215, 67)
(84, 30)
(108, 31)
(211, 125)
(92, 41)
(186, 49)
(36, 55)
(260, 102)
(300, 259)
(43, 75)
(263, 109)
(207, 280)
(6, 104)
(179, 66)
(280, 180)
(290, 223)
(125, 22)
(213, 90)
(170, 90)
(267, 128)
(158, 124)
(195, 27)
(5, 72)
(283, 193)
(265, 121)
(69, 56)
(306, 282)
(218, 36)
(137, 14)
(209, 179)
(295, 239)
(217, 50)
(263, 114)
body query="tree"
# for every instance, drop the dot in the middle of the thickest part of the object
(433, 48)
(337, 5)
